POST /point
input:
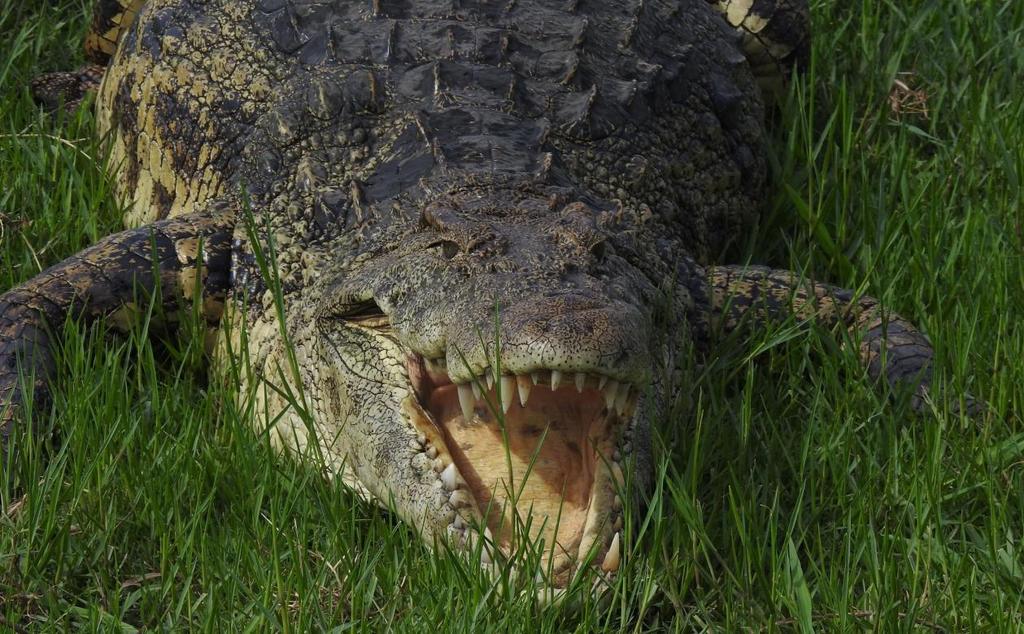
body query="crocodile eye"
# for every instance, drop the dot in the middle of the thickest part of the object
(447, 248)
(365, 313)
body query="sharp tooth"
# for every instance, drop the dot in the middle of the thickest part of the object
(508, 384)
(601, 382)
(474, 538)
(556, 379)
(618, 480)
(490, 380)
(611, 560)
(617, 503)
(466, 401)
(581, 380)
(610, 394)
(486, 542)
(622, 399)
(560, 562)
(549, 595)
(431, 452)
(457, 536)
(460, 498)
(475, 384)
(535, 376)
(449, 478)
(617, 525)
(524, 384)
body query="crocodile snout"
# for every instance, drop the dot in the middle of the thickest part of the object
(533, 411)
(562, 333)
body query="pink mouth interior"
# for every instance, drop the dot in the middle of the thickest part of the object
(544, 457)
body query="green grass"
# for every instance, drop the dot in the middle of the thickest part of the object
(792, 495)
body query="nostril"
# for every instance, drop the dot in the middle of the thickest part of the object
(599, 250)
(448, 248)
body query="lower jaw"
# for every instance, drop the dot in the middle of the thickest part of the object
(560, 541)
(597, 546)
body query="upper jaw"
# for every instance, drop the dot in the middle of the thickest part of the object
(592, 528)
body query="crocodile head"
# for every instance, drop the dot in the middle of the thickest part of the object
(490, 370)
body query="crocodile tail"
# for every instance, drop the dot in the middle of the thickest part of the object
(889, 345)
(775, 35)
(171, 260)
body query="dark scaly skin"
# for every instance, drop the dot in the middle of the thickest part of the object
(890, 346)
(111, 18)
(411, 167)
(113, 276)
(67, 89)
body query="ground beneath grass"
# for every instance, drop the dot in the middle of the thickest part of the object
(791, 495)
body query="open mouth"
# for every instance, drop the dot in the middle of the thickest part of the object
(533, 456)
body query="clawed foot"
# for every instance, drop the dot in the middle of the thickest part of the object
(66, 89)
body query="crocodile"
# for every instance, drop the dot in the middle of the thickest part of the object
(459, 244)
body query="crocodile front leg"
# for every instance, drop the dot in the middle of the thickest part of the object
(175, 257)
(890, 346)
